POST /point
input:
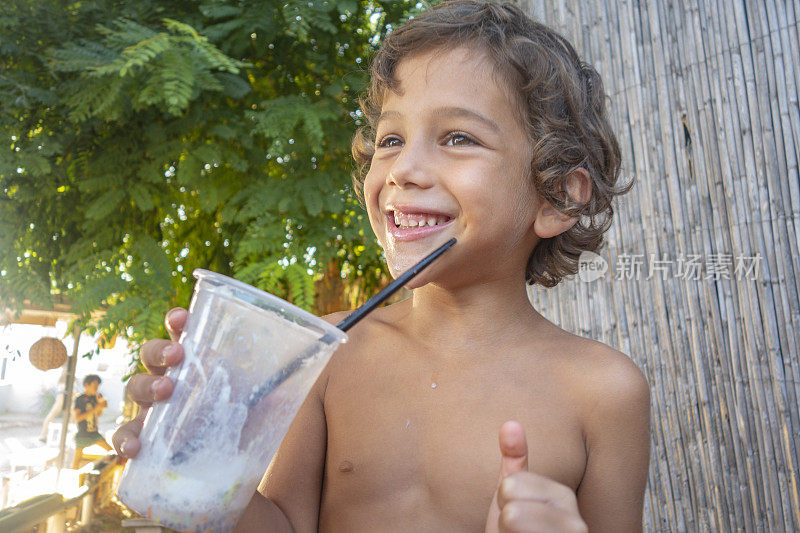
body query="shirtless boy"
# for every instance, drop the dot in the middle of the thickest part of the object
(490, 120)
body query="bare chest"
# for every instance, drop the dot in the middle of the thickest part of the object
(416, 444)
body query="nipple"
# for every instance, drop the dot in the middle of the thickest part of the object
(346, 466)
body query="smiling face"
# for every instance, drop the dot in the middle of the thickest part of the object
(452, 159)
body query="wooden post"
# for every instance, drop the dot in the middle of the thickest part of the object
(57, 523)
(87, 504)
(6, 489)
(68, 386)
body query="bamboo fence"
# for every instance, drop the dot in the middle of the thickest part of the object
(704, 99)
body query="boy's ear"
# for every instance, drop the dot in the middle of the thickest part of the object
(551, 222)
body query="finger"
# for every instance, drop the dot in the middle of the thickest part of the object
(126, 438)
(534, 487)
(145, 389)
(531, 516)
(513, 448)
(159, 354)
(175, 321)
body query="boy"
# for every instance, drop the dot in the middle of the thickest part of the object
(486, 127)
(88, 406)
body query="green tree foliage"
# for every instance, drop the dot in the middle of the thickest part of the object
(140, 140)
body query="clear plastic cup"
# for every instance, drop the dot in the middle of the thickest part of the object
(250, 360)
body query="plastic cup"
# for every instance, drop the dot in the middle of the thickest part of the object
(250, 361)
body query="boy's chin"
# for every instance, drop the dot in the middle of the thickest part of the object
(399, 263)
(423, 278)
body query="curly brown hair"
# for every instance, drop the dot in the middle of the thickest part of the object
(562, 101)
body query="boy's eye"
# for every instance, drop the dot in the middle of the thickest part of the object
(388, 142)
(458, 138)
(455, 138)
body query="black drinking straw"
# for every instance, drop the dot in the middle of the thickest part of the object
(392, 288)
(181, 455)
(351, 320)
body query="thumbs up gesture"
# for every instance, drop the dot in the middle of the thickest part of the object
(525, 501)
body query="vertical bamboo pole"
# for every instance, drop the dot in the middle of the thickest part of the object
(68, 386)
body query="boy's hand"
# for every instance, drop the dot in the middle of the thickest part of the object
(525, 501)
(157, 355)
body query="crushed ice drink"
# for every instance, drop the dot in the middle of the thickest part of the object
(205, 448)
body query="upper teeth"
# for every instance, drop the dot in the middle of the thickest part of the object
(405, 220)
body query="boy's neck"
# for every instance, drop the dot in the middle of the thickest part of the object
(479, 314)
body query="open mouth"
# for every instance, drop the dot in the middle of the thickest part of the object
(408, 226)
(417, 220)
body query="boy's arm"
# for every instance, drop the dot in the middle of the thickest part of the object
(101, 405)
(80, 412)
(617, 430)
(263, 515)
(288, 497)
(79, 415)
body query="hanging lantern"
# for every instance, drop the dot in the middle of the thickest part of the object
(48, 353)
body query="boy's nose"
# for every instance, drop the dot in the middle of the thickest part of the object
(411, 168)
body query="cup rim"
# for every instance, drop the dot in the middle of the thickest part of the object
(202, 274)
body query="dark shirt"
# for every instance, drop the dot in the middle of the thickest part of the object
(85, 403)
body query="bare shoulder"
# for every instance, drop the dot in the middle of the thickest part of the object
(379, 319)
(613, 379)
(355, 336)
(598, 370)
(379, 316)
(335, 318)
(614, 407)
(609, 380)
(376, 327)
(614, 403)
(594, 375)
(605, 384)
